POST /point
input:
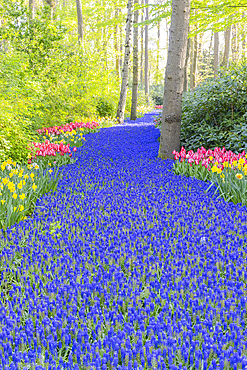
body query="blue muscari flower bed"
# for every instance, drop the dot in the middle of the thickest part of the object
(144, 271)
(147, 118)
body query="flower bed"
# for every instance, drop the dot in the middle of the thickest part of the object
(125, 266)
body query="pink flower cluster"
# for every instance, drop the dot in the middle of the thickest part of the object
(218, 155)
(158, 106)
(48, 148)
(69, 127)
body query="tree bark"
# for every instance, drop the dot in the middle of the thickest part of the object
(125, 71)
(186, 66)
(146, 57)
(158, 54)
(234, 42)
(216, 54)
(243, 37)
(142, 38)
(135, 66)
(32, 10)
(79, 21)
(116, 47)
(174, 79)
(227, 47)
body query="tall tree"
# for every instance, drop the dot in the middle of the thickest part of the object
(116, 46)
(193, 62)
(125, 71)
(146, 56)
(174, 79)
(216, 54)
(158, 53)
(235, 43)
(79, 21)
(142, 48)
(186, 66)
(227, 46)
(135, 65)
(32, 9)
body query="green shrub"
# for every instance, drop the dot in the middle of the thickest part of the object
(105, 107)
(215, 114)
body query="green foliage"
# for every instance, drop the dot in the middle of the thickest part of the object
(214, 115)
(157, 94)
(105, 107)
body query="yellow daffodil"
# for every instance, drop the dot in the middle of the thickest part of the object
(50, 170)
(3, 165)
(214, 169)
(11, 174)
(15, 209)
(20, 174)
(32, 175)
(49, 164)
(239, 176)
(24, 182)
(241, 161)
(9, 161)
(26, 176)
(219, 170)
(210, 158)
(22, 196)
(222, 175)
(14, 164)
(14, 195)
(2, 201)
(225, 164)
(21, 207)
(34, 187)
(19, 186)
(234, 163)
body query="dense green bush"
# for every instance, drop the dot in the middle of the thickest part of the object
(215, 114)
(105, 107)
(157, 94)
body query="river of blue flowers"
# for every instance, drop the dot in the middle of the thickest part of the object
(142, 269)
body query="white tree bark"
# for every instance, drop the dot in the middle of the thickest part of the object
(135, 66)
(174, 79)
(79, 21)
(227, 46)
(146, 57)
(125, 70)
(32, 9)
(216, 54)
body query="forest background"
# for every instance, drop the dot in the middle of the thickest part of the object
(62, 60)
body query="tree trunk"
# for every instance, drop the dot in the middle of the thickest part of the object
(116, 47)
(142, 38)
(52, 5)
(146, 57)
(121, 48)
(32, 10)
(174, 79)
(135, 66)
(79, 21)
(193, 62)
(234, 42)
(125, 71)
(243, 38)
(186, 66)
(216, 54)
(158, 54)
(227, 47)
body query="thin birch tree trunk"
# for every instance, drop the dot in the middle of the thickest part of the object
(146, 57)
(135, 66)
(234, 42)
(194, 62)
(79, 21)
(216, 54)
(125, 71)
(227, 47)
(174, 79)
(142, 48)
(186, 66)
(158, 53)
(116, 47)
(243, 37)
(32, 10)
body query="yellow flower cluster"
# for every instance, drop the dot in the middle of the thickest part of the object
(240, 165)
(12, 181)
